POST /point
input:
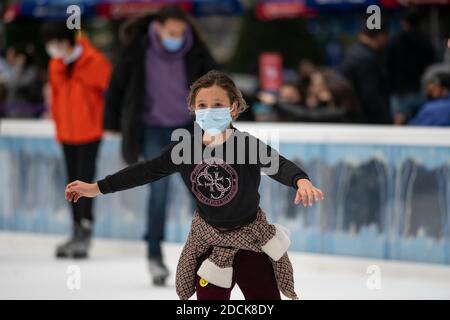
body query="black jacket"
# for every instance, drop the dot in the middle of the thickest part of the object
(408, 55)
(363, 68)
(124, 103)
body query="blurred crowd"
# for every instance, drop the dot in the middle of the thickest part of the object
(21, 83)
(383, 78)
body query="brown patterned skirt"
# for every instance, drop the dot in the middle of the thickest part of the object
(258, 236)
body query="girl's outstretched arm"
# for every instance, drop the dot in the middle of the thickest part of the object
(135, 175)
(288, 173)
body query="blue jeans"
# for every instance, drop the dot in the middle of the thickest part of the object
(155, 139)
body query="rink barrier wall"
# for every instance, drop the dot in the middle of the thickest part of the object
(387, 189)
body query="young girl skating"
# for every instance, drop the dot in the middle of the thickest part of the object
(230, 241)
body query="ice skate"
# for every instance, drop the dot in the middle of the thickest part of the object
(158, 271)
(78, 246)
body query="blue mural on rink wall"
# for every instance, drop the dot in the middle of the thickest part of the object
(382, 201)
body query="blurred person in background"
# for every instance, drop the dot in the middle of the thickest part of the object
(431, 72)
(146, 101)
(328, 98)
(447, 52)
(408, 54)
(273, 103)
(305, 69)
(2, 98)
(363, 67)
(436, 111)
(78, 77)
(346, 106)
(4, 75)
(291, 92)
(22, 83)
(318, 93)
(5, 67)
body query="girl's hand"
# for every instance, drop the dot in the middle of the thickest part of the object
(77, 189)
(306, 192)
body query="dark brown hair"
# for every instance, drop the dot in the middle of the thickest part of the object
(58, 31)
(222, 80)
(170, 12)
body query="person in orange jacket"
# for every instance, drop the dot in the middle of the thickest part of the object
(78, 77)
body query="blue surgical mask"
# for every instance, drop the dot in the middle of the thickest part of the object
(172, 44)
(213, 120)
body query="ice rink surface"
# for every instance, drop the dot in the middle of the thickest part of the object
(117, 270)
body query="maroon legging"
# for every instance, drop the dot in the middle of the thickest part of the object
(252, 272)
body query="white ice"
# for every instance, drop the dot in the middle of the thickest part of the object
(117, 269)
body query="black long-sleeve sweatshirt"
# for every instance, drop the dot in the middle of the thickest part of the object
(224, 179)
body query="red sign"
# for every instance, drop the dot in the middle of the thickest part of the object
(127, 9)
(11, 12)
(400, 3)
(270, 71)
(283, 9)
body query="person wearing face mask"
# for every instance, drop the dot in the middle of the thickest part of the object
(162, 55)
(230, 242)
(436, 111)
(78, 77)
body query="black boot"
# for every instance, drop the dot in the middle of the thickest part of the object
(158, 271)
(78, 246)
